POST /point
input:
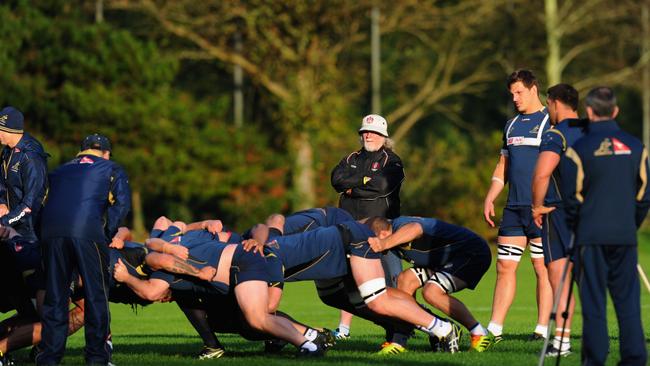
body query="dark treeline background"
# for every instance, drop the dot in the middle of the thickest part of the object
(157, 78)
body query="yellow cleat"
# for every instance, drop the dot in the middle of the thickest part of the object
(391, 348)
(481, 343)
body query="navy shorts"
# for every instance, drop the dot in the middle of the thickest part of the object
(518, 221)
(468, 264)
(556, 236)
(248, 266)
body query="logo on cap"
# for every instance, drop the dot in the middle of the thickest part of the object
(3, 119)
(369, 119)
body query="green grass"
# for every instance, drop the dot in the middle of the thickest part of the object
(159, 334)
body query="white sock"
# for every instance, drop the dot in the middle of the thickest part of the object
(311, 334)
(438, 328)
(344, 329)
(309, 345)
(478, 330)
(496, 329)
(541, 330)
(564, 342)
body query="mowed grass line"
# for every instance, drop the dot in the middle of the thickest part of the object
(160, 335)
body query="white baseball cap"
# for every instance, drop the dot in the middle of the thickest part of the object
(374, 123)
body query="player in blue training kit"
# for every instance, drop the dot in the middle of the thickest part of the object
(226, 267)
(320, 254)
(521, 140)
(446, 259)
(310, 219)
(606, 193)
(562, 102)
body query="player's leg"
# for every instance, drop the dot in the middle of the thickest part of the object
(412, 279)
(252, 297)
(509, 252)
(369, 276)
(544, 292)
(561, 341)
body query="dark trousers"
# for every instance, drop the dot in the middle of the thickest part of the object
(613, 267)
(62, 256)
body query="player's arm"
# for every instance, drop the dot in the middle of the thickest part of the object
(382, 182)
(151, 290)
(119, 200)
(33, 174)
(161, 246)
(213, 226)
(546, 164)
(498, 182)
(344, 177)
(404, 234)
(643, 191)
(123, 234)
(173, 264)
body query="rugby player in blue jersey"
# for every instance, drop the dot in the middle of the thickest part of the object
(521, 139)
(446, 259)
(320, 254)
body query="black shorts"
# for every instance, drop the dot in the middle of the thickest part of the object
(556, 236)
(518, 221)
(248, 266)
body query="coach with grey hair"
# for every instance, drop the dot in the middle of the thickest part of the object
(606, 195)
(369, 181)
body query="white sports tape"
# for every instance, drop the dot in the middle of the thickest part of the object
(422, 274)
(445, 281)
(370, 290)
(536, 250)
(509, 252)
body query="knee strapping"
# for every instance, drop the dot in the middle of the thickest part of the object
(536, 250)
(509, 252)
(422, 274)
(445, 281)
(370, 290)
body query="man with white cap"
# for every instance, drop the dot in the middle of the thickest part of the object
(369, 181)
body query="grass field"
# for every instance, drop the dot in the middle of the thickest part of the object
(160, 335)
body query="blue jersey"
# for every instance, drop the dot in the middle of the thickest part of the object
(557, 140)
(438, 242)
(319, 254)
(313, 218)
(521, 139)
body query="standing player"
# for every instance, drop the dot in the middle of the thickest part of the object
(369, 181)
(605, 176)
(23, 188)
(562, 103)
(89, 197)
(521, 140)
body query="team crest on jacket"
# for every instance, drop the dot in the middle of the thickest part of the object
(15, 167)
(86, 160)
(612, 146)
(535, 129)
(375, 166)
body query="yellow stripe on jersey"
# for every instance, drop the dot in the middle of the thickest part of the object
(643, 174)
(580, 175)
(562, 136)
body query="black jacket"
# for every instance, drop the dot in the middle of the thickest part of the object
(373, 180)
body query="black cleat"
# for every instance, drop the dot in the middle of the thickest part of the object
(450, 342)
(274, 345)
(208, 353)
(434, 342)
(536, 337)
(325, 338)
(304, 352)
(554, 352)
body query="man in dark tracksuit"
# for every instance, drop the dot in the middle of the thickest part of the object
(369, 181)
(89, 198)
(606, 199)
(23, 187)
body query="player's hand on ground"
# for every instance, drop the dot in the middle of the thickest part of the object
(207, 273)
(213, 226)
(116, 243)
(166, 297)
(4, 209)
(120, 273)
(376, 244)
(539, 212)
(254, 245)
(179, 251)
(488, 212)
